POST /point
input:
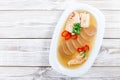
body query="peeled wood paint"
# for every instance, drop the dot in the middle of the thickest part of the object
(67, 49)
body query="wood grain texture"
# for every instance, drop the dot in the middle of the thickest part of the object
(41, 24)
(26, 29)
(54, 4)
(43, 31)
(37, 73)
(35, 52)
(17, 78)
(35, 18)
(55, 78)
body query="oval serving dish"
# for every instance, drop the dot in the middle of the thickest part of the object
(53, 56)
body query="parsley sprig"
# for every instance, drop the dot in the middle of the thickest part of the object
(76, 28)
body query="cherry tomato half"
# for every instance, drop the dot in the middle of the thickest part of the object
(80, 49)
(74, 37)
(65, 33)
(86, 47)
(68, 36)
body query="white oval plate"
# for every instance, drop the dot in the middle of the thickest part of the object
(53, 59)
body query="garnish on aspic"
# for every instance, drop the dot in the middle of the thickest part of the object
(75, 22)
(76, 28)
(82, 18)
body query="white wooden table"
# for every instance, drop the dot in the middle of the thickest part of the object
(26, 29)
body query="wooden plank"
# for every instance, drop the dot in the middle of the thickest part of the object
(17, 71)
(26, 18)
(48, 73)
(17, 78)
(35, 78)
(112, 33)
(54, 4)
(101, 72)
(27, 31)
(41, 24)
(56, 78)
(44, 31)
(34, 52)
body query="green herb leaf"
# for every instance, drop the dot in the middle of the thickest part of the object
(76, 28)
(86, 51)
(84, 55)
(77, 24)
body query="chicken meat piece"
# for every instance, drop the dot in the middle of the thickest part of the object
(73, 18)
(85, 19)
(77, 60)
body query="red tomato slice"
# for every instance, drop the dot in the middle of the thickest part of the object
(74, 36)
(68, 36)
(65, 33)
(86, 47)
(80, 49)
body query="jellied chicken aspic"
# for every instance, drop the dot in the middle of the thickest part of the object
(76, 38)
